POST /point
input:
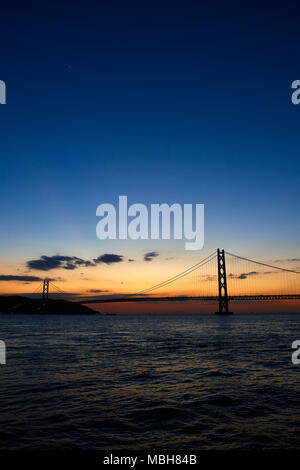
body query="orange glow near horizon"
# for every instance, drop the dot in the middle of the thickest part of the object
(127, 278)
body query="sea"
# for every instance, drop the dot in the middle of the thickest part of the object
(149, 382)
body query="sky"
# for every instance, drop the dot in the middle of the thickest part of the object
(186, 102)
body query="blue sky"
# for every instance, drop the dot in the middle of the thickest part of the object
(164, 102)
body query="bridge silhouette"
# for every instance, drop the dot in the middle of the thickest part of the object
(286, 287)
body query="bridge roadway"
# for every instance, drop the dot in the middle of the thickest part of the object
(232, 298)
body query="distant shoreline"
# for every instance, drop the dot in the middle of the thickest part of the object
(15, 304)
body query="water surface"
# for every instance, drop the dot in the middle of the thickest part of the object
(149, 382)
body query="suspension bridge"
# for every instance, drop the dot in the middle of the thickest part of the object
(213, 282)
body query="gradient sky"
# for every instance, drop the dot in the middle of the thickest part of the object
(185, 102)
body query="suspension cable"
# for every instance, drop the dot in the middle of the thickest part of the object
(58, 289)
(37, 288)
(178, 276)
(263, 264)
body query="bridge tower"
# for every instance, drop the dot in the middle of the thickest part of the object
(222, 281)
(45, 293)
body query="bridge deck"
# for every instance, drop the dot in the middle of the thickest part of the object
(233, 298)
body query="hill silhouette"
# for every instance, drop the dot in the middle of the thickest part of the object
(25, 305)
